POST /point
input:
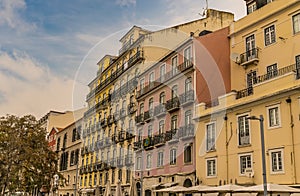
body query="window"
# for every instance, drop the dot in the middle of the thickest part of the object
(245, 162)
(148, 164)
(174, 122)
(188, 84)
(142, 108)
(273, 116)
(142, 84)
(173, 157)
(270, 36)
(251, 78)
(162, 96)
(149, 130)
(187, 54)
(297, 66)
(138, 164)
(188, 117)
(72, 158)
(188, 153)
(120, 175)
(151, 104)
(100, 179)
(272, 71)
(128, 175)
(95, 179)
(276, 161)
(113, 177)
(174, 91)
(251, 7)
(160, 159)
(162, 72)
(244, 130)
(151, 79)
(210, 136)
(65, 141)
(250, 48)
(161, 128)
(174, 65)
(58, 144)
(211, 167)
(296, 23)
(74, 135)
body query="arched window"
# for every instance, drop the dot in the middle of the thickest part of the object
(151, 105)
(150, 130)
(188, 117)
(188, 153)
(174, 91)
(188, 84)
(142, 108)
(65, 141)
(162, 72)
(161, 128)
(162, 98)
(174, 122)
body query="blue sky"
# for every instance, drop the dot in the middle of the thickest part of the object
(49, 49)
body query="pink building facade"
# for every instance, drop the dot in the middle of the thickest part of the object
(196, 71)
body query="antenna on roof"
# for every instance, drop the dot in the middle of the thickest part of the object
(204, 9)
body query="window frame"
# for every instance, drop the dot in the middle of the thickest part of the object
(173, 156)
(281, 151)
(244, 115)
(298, 23)
(270, 125)
(160, 159)
(270, 35)
(240, 164)
(213, 134)
(214, 174)
(185, 155)
(148, 161)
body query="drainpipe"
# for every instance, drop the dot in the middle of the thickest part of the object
(289, 101)
(227, 144)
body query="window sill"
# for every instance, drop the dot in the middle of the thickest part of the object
(244, 145)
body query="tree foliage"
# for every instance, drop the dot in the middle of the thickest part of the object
(26, 161)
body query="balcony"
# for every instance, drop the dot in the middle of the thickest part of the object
(187, 131)
(148, 116)
(159, 139)
(114, 138)
(148, 143)
(131, 108)
(120, 161)
(128, 159)
(116, 94)
(244, 92)
(137, 145)
(107, 142)
(160, 110)
(122, 113)
(100, 144)
(136, 58)
(250, 57)
(172, 136)
(187, 98)
(124, 89)
(173, 104)
(139, 119)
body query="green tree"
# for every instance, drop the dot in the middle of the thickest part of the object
(26, 161)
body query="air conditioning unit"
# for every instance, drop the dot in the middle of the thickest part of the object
(249, 172)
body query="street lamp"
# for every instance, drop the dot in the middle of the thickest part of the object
(263, 157)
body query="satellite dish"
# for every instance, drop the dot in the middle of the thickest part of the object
(249, 172)
(236, 58)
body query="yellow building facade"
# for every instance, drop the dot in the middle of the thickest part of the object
(265, 54)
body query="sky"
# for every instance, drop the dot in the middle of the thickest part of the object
(49, 49)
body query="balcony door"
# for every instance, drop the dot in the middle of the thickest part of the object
(250, 47)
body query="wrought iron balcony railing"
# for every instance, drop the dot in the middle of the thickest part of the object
(173, 104)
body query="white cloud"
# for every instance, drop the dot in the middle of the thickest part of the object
(28, 87)
(9, 15)
(126, 2)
